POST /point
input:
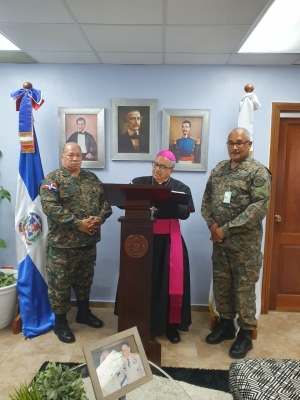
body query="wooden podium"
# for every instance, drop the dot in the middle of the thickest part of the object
(134, 290)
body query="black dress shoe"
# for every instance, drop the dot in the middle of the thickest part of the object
(172, 334)
(224, 330)
(242, 345)
(89, 319)
(64, 333)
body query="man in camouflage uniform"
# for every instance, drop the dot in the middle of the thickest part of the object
(235, 202)
(75, 204)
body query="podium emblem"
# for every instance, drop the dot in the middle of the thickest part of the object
(136, 246)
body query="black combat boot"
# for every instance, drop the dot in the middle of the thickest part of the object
(242, 345)
(62, 330)
(223, 331)
(85, 316)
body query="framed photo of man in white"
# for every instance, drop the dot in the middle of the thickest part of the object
(117, 365)
(84, 126)
(133, 129)
(185, 133)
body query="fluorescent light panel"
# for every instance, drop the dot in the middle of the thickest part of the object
(6, 44)
(278, 31)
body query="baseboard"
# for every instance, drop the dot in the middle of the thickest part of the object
(200, 308)
(97, 304)
(111, 304)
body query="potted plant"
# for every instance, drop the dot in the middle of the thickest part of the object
(56, 382)
(8, 296)
(8, 282)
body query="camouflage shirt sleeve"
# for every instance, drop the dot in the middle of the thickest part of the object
(206, 207)
(260, 195)
(106, 210)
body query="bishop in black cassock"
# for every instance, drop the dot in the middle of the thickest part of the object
(170, 296)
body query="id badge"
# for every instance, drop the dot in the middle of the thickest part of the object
(227, 197)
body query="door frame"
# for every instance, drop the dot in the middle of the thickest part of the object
(277, 108)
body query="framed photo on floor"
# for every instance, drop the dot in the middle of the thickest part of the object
(117, 365)
(186, 133)
(133, 129)
(84, 126)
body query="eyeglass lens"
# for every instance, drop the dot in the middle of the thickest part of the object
(237, 144)
(161, 167)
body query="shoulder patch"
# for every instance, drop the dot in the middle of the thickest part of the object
(50, 186)
(258, 181)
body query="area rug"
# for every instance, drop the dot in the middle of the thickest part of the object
(216, 379)
(197, 383)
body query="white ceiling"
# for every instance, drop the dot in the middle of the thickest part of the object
(134, 31)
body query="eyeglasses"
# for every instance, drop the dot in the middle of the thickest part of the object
(161, 167)
(231, 145)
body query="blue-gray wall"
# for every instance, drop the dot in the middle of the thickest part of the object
(216, 88)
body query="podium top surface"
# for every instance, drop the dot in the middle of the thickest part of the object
(117, 194)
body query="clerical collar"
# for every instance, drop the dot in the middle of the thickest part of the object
(160, 183)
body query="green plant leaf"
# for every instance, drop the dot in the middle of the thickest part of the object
(58, 382)
(7, 279)
(2, 244)
(51, 394)
(61, 388)
(26, 392)
(4, 194)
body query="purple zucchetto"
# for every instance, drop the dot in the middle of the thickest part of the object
(166, 153)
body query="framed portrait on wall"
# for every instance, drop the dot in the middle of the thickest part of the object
(117, 364)
(133, 129)
(185, 133)
(84, 126)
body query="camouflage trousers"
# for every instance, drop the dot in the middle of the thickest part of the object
(69, 268)
(235, 273)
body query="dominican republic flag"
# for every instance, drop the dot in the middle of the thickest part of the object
(31, 233)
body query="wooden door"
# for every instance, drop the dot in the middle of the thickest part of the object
(285, 254)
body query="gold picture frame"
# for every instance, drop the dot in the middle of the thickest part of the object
(186, 132)
(121, 145)
(93, 119)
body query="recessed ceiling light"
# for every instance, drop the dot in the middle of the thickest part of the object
(6, 44)
(278, 31)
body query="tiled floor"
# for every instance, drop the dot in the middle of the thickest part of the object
(278, 337)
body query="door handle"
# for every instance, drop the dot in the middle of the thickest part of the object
(278, 218)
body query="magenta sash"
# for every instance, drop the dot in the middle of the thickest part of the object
(172, 227)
